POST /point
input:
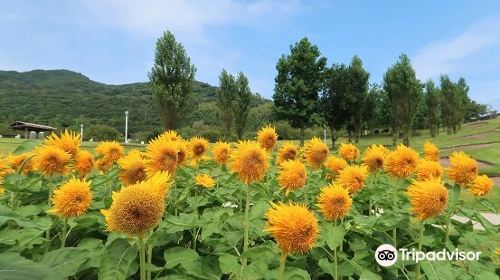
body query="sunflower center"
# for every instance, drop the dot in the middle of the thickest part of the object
(199, 150)
(339, 201)
(442, 199)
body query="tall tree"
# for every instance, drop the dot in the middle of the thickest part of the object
(358, 98)
(241, 106)
(433, 102)
(172, 78)
(225, 98)
(297, 85)
(449, 103)
(404, 92)
(463, 102)
(334, 99)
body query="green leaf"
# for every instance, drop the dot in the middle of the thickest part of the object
(488, 204)
(486, 224)
(117, 260)
(15, 267)
(368, 275)
(326, 266)
(26, 146)
(64, 262)
(229, 263)
(293, 273)
(333, 235)
(179, 255)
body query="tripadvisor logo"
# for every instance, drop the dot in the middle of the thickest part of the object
(387, 255)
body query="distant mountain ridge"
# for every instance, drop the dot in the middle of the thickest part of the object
(64, 98)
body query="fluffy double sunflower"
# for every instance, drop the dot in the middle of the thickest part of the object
(250, 161)
(288, 151)
(428, 198)
(292, 175)
(334, 201)
(315, 152)
(267, 137)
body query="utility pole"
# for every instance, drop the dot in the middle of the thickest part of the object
(126, 127)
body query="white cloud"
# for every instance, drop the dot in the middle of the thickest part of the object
(456, 54)
(188, 18)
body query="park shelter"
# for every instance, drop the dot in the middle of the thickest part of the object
(26, 126)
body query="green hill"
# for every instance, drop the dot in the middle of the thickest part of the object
(65, 99)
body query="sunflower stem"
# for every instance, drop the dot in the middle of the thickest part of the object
(246, 224)
(335, 265)
(142, 257)
(452, 211)
(420, 239)
(195, 235)
(281, 269)
(394, 205)
(49, 202)
(64, 232)
(149, 261)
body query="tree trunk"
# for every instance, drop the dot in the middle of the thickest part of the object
(394, 137)
(302, 136)
(332, 131)
(406, 139)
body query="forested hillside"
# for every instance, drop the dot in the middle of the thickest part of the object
(63, 98)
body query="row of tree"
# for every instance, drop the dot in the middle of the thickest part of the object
(308, 92)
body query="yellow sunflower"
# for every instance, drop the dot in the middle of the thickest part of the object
(138, 208)
(335, 164)
(169, 135)
(198, 147)
(481, 186)
(293, 226)
(348, 151)
(427, 198)
(84, 163)
(204, 180)
(162, 156)
(68, 141)
(222, 152)
(110, 152)
(431, 151)
(17, 161)
(51, 160)
(250, 161)
(463, 168)
(334, 201)
(267, 137)
(5, 168)
(133, 168)
(427, 169)
(401, 162)
(182, 152)
(374, 157)
(292, 176)
(315, 152)
(353, 177)
(72, 199)
(288, 151)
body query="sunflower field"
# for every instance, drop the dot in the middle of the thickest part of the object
(187, 209)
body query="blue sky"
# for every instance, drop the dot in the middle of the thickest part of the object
(113, 41)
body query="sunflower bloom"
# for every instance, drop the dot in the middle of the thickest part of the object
(427, 198)
(222, 152)
(72, 199)
(374, 156)
(401, 162)
(198, 146)
(293, 226)
(292, 176)
(50, 160)
(17, 161)
(348, 151)
(182, 152)
(162, 156)
(431, 151)
(250, 161)
(353, 177)
(334, 202)
(68, 141)
(335, 164)
(481, 186)
(315, 152)
(463, 168)
(427, 169)
(110, 152)
(133, 168)
(267, 137)
(204, 180)
(5, 168)
(288, 151)
(137, 208)
(84, 163)
(169, 135)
